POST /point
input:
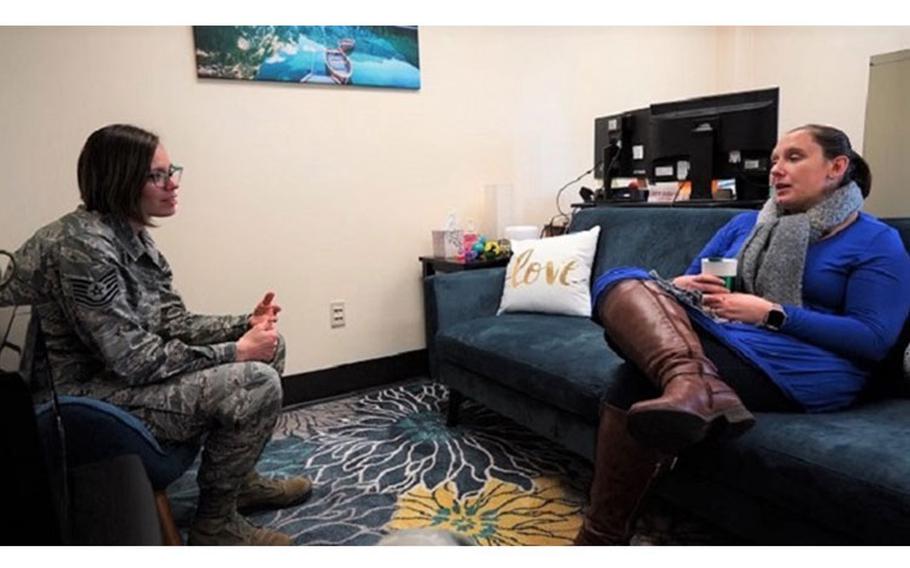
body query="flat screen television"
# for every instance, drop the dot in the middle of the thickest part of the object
(727, 136)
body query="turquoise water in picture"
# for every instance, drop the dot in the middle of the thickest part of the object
(370, 70)
(295, 63)
(375, 56)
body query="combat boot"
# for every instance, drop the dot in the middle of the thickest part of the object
(653, 330)
(258, 492)
(233, 530)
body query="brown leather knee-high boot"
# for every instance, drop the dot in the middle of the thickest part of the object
(655, 333)
(623, 472)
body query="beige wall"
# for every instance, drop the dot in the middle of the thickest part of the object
(823, 72)
(325, 194)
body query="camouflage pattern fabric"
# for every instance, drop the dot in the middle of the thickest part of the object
(115, 329)
(110, 316)
(234, 406)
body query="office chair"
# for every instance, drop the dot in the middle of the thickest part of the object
(95, 431)
(82, 441)
(90, 432)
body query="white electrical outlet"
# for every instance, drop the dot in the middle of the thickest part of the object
(336, 313)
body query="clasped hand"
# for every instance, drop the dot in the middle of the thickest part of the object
(260, 342)
(736, 306)
(265, 311)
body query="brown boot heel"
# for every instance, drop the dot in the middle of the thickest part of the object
(672, 430)
(733, 423)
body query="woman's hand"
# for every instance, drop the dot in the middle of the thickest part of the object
(738, 307)
(706, 283)
(266, 311)
(259, 343)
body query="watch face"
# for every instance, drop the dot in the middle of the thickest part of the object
(776, 319)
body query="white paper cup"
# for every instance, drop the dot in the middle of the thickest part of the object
(725, 268)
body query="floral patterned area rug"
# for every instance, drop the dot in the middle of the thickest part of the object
(385, 461)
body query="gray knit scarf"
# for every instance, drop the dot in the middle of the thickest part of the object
(773, 259)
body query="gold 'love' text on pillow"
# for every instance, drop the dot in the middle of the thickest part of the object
(551, 275)
(526, 272)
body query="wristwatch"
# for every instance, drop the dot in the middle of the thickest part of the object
(776, 318)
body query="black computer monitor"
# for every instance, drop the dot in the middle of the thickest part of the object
(727, 136)
(621, 140)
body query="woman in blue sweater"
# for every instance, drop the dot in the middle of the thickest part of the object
(820, 297)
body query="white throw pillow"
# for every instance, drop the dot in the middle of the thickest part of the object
(551, 275)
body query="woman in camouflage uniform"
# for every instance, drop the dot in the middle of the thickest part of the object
(116, 330)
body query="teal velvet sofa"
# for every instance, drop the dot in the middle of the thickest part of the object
(838, 478)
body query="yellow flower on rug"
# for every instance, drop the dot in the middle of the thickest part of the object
(501, 513)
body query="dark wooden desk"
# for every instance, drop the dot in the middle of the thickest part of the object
(434, 264)
(431, 265)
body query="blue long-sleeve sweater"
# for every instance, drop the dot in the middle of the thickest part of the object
(856, 296)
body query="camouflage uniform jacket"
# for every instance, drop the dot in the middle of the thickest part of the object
(109, 314)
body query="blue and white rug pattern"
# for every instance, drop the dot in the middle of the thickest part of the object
(386, 461)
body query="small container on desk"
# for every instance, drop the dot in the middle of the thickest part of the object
(448, 242)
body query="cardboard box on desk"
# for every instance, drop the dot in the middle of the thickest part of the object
(448, 243)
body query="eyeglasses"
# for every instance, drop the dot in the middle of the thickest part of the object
(160, 177)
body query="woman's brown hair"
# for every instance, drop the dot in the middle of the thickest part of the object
(835, 143)
(113, 167)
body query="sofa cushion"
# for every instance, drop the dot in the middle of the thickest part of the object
(895, 369)
(836, 468)
(560, 360)
(654, 238)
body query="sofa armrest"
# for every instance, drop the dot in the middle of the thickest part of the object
(460, 296)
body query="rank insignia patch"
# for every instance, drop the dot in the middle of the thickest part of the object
(95, 293)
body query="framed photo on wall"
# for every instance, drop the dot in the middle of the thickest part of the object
(363, 56)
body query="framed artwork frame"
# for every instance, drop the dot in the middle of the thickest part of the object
(341, 56)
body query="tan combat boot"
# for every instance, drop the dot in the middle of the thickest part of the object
(233, 530)
(260, 493)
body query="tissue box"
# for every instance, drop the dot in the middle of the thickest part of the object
(448, 243)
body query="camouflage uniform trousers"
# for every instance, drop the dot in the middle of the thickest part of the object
(231, 409)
